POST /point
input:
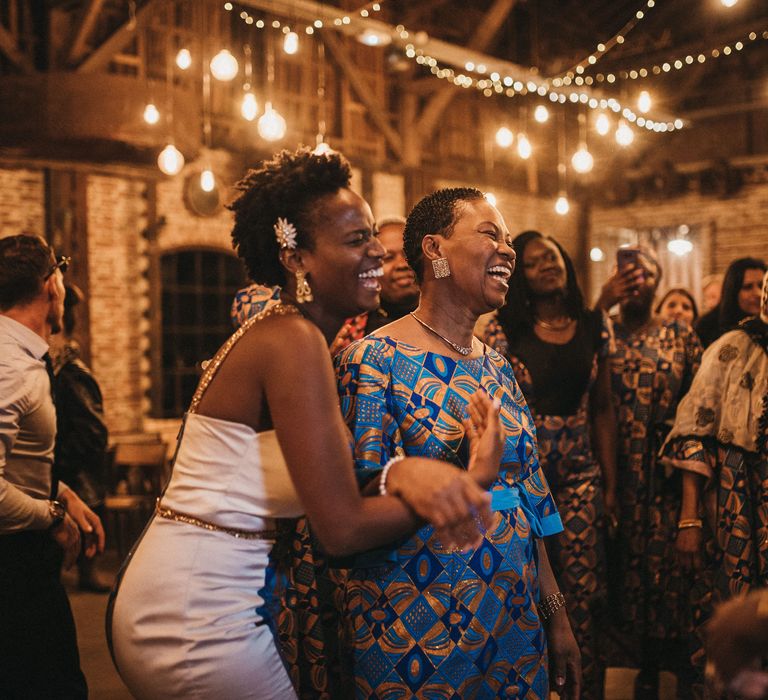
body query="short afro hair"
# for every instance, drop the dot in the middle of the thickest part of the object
(286, 186)
(25, 263)
(437, 214)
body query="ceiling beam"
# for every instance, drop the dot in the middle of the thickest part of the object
(101, 56)
(364, 92)
(487, 28)
(10, 47)
(83, 31)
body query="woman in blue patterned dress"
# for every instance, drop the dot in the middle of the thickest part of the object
(426, 621)
(558, 350)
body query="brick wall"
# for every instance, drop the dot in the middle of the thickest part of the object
(22, 201)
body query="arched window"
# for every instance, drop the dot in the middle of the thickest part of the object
(197, 287)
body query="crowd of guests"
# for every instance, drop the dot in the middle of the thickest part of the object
(491, 515)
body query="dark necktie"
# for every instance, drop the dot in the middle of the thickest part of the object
(52, 378)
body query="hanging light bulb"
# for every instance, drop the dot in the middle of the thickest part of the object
(524, 148)
(504, 137)
(644, 102)
(562, 206)
(291, 43)
(271, 125)
(541, 114)
(490, 198)
(224, 66)
(602, 124)
(582, 161)
(151, 114)
(680, 245)
(170, 160)
(624, 134)
(322, 148)
(207, 180)
(728, 3)
(184, 59)
(249, 107)
(596, 254)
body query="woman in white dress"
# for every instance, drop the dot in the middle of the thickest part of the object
(264, 439)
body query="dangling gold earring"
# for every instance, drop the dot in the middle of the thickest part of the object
(440, 268)
(303, 290)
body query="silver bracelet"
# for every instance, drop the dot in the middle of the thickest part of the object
(385, 474)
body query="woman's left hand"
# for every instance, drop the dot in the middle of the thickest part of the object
(486, 438)
(564, 657)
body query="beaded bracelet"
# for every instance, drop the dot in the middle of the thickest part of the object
(550, 605)
(385, 474)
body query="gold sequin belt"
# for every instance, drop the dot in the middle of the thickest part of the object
(171, 514)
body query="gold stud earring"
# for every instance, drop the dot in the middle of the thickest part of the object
(303, 290)
(440, 268)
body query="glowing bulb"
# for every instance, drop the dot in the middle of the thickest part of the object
(524, 148)
(582, 161)
(224, 66)
(249, 107)
(504, 137)
(680, 246)
(184, 59)
(644, 102)
(151, 114)
(490, 198)
(291, 43)
(207, 181)
(728, 3)
(561, 205)
(541, 114)
(170, 160)
(271, 125)
(602, 124)
(624, 134)
(596, 254)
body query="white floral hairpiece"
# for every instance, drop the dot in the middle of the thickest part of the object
(285, 232)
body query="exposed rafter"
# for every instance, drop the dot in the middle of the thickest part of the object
(10, 48)
(83, 31)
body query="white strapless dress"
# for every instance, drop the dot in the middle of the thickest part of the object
(188, 619)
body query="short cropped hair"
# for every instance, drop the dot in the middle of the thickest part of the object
(25, 262)
(434, 214)
(287, 186)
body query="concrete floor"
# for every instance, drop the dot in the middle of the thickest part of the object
(105, 684)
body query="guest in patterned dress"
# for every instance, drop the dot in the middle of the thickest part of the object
(651, 370)
(720, 444)
(558, 350)
(427, 621)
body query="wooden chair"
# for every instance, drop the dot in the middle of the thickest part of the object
(140, 469)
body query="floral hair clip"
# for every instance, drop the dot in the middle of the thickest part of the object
(285, 232)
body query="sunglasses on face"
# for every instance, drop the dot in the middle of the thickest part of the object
(62, 263)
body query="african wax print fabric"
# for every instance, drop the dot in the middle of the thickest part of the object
(577, 554)
(425, 621)
(651, 371)
(735, 479)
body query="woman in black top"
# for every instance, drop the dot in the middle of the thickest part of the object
(557, 348)
(740, 298)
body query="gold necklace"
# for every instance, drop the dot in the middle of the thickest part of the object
(553, 326)
(461, 349)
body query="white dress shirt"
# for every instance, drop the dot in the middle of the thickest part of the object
(27, 429)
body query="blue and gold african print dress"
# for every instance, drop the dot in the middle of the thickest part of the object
(424, 621)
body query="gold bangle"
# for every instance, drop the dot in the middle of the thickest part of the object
(550, 605)
(689, 522)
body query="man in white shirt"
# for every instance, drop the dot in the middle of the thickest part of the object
(42, 521)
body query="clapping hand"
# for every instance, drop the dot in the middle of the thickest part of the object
(486, 438)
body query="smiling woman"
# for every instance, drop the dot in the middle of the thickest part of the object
(469, 622)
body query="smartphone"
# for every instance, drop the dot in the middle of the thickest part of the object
(626, 257)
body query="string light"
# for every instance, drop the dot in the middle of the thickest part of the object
(249, 107)
(524, 148)
(170, 160)
(291, 43)
(644, 102)
(271, 125)
(562, 206)
(541, 114)
(224, 66)
(602, 124)
(504, 137)
(151, 114)
(184, 59)
(582, 161)
(624, 134)
(596, 254)
(207, 180)
(728, 3)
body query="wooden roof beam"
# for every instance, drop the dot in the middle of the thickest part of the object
(10, 47)
(83, 31)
